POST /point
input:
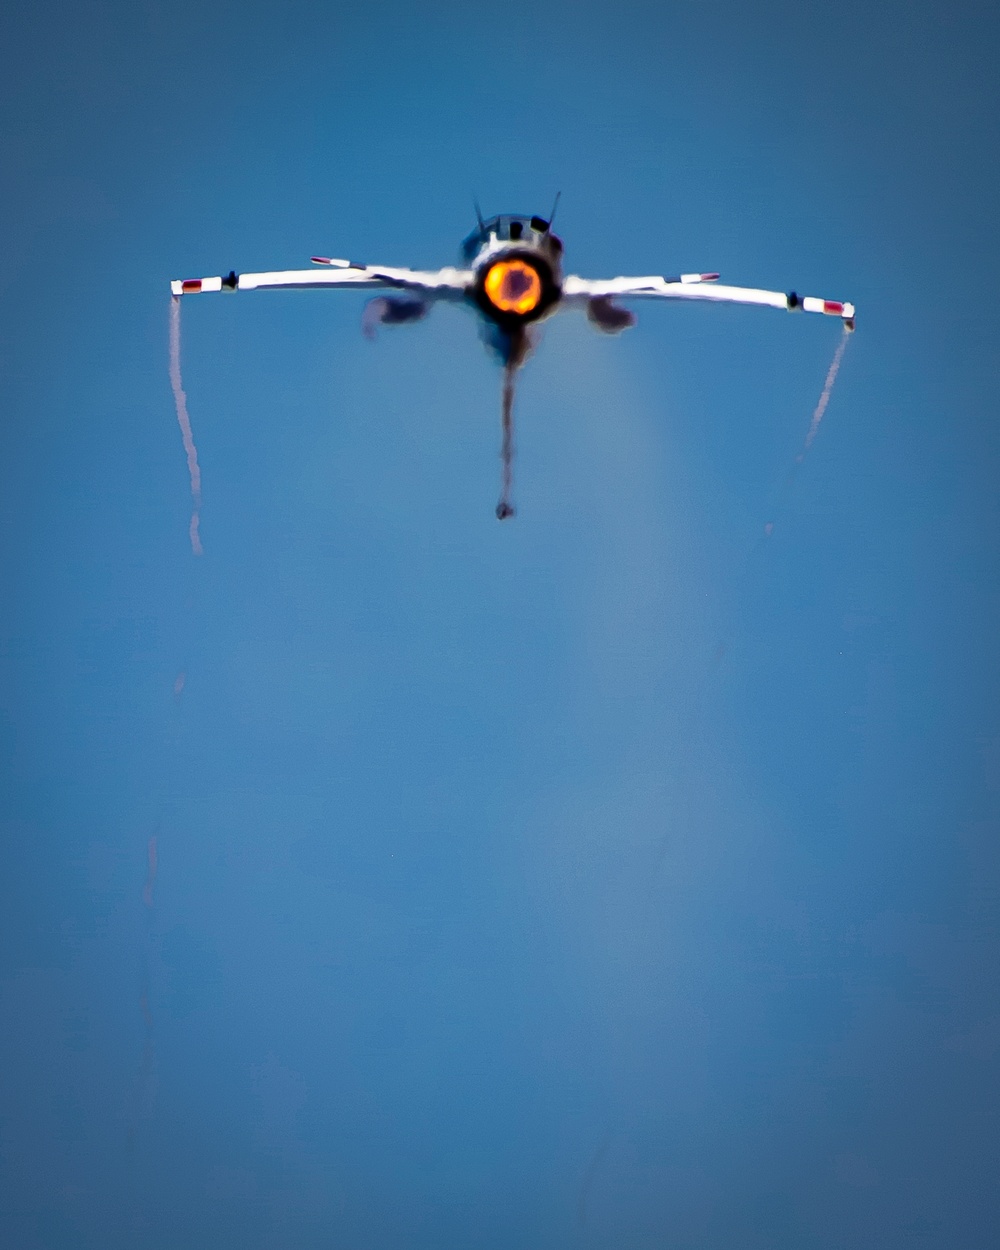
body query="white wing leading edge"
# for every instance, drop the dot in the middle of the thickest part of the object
(431, 284)
(700, 287)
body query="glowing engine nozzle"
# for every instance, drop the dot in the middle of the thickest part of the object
(513, 286)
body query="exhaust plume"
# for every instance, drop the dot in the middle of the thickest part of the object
(505, 508)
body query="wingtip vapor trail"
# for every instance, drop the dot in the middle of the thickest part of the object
(151, 864)
(824, 398)
(184, 421)
(817, 416)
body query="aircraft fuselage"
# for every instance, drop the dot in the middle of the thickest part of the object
(516, 263)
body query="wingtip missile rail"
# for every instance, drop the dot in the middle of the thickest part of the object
(231, 282)
(196, 286)
(829, 307)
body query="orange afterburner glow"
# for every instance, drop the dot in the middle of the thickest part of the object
(513, 286)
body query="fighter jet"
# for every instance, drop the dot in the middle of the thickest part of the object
(511, 275)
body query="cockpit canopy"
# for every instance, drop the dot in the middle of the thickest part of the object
(509, 227)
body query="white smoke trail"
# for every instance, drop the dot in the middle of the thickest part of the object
(824, 398)
(184, 421)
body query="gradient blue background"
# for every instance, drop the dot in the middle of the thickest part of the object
(611, 878)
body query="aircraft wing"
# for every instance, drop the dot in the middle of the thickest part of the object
(430, 284)
(700, 287)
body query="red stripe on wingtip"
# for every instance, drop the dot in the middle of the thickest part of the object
(320, 260)
(832, 306)
(709, 277)
(191, 284)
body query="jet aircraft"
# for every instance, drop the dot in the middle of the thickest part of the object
(511, 274)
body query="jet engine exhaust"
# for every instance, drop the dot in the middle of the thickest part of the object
(505, 508)
(515, 347)
(184, 421)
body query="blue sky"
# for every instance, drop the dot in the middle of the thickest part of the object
(613, 877)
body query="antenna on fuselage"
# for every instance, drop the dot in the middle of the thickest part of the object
(552, 215)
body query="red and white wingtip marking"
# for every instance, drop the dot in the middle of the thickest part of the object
(699, 277)
(832, 308)
(193, 286)
(331, 260)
